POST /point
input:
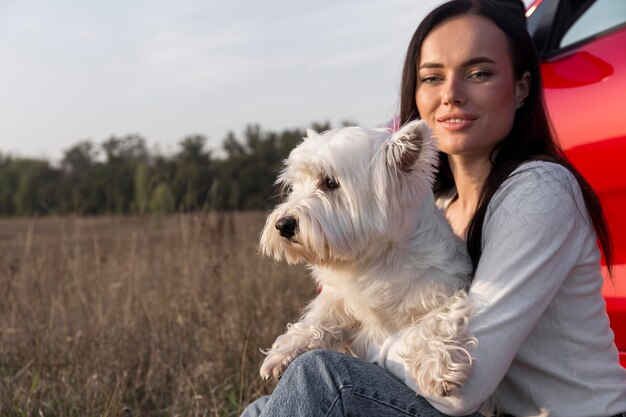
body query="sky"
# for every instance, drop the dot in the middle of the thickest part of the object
(75, 70)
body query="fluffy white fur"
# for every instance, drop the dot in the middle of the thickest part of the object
(382, 252)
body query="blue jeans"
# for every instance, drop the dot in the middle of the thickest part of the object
(330, 384)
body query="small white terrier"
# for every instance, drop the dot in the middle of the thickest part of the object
(361, 213)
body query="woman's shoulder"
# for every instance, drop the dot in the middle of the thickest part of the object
(538, 187)
(541, 176)
(538, 169)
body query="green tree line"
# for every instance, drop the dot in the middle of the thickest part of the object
(121, 176)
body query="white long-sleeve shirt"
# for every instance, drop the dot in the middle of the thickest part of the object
(544, 347)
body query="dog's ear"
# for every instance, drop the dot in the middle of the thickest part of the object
(403, 173)
(407, 144)
(310, 133)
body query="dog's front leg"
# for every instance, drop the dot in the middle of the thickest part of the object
(323, 326)
(437, 347)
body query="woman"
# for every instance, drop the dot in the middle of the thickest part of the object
(530, 222)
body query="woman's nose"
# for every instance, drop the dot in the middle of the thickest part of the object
(453, 93)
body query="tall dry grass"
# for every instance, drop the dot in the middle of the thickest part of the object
(144, 316)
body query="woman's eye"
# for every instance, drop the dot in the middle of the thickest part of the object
(429, 79)
(331, 183)
(480, 75)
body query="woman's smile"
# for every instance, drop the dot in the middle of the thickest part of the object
(455, 122)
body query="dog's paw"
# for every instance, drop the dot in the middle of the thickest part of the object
(440, 373)
(275, 365)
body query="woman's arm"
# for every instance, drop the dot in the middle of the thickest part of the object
(535, 230)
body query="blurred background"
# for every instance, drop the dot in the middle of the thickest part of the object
(128, 107)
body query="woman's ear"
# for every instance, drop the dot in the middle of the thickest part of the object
(522, 88)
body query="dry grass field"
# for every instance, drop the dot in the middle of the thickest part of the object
(138, 316)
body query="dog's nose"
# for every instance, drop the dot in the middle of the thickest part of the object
(287, 226)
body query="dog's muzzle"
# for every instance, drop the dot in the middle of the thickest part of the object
(287, 226)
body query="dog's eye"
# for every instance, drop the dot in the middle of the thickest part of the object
(286, 189)
(331, 183)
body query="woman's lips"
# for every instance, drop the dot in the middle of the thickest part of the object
(456, 122)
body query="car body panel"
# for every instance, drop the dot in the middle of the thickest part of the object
(584, 86)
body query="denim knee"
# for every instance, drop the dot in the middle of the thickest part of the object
(317, 359)
(319, 366)
(317, 356)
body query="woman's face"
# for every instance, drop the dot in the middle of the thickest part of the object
(466, 88)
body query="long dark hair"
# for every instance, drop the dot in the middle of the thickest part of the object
(531, 137)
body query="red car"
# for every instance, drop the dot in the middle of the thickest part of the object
(582, 44)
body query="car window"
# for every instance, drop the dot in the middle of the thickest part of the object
(600, 16)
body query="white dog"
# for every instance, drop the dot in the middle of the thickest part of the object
(360, 211)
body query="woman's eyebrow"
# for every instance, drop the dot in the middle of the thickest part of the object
(468, 63)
